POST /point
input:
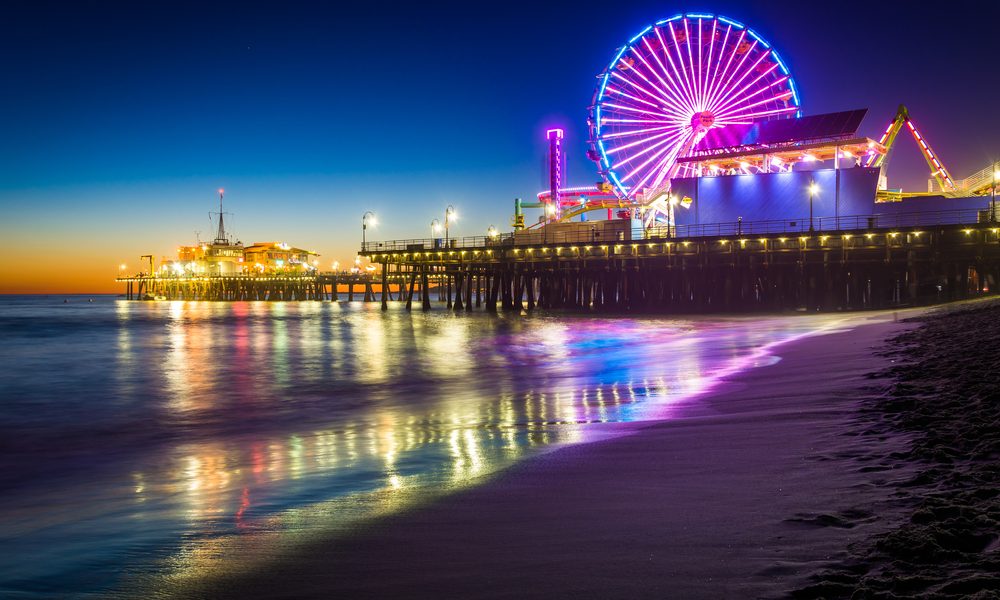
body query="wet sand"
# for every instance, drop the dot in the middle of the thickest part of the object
(750, 492)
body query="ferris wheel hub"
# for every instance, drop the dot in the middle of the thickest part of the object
(702, 120)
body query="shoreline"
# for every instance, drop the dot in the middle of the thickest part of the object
(744, 504)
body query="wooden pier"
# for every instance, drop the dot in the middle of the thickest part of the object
(864, 262)
(243, 287)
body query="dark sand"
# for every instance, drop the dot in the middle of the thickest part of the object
(943, 393)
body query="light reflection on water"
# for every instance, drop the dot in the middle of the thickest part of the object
(167, 437)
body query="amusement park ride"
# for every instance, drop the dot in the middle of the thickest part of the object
(701, 95)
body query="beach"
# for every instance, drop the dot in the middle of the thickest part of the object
(751, 491)
(940, 394)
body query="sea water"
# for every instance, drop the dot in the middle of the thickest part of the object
(145, 440)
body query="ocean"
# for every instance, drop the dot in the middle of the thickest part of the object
(149, 442)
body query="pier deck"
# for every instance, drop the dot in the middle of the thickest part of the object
(857, 262)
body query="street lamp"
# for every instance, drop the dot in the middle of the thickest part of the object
(813, 190)
(122, 267)
(336, 265)
(435, 228)
(492, 232)
(367, 219)
(449, 216)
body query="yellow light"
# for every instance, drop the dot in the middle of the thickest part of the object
(686, 243)
(803, 239)
(917, 233)
(782, 240)
(847, 236)
(813, 189)
(894, 234)
(823, 238)
(122, 267)
(869, 235)
(967, 231)
(763, 240)
(723, 242)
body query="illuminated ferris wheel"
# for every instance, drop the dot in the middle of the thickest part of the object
(669, 86)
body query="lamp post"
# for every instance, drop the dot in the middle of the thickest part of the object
(813, 190)
(366, 219)
(435, 230)
(449, 216)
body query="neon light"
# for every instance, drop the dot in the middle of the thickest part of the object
(641, 33)
(735, 24)
(777, 59)
(754, 35)
(558, 133)
(665, 21)
(579, 189)
(699, 16)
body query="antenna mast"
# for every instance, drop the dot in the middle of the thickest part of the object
(220, 237)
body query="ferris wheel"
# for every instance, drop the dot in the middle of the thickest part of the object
(672, 83)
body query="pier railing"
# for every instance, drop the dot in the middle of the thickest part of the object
(700, 230)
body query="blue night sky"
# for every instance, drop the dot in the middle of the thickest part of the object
(120, 120)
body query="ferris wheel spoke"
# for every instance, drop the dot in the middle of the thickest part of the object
(636, 156)
(689, 89)
(687, 42)
(714, 75)
(741, 108)
(746, 72)
(659, 172)
(626, 95)
(768, 88)
(682, 87)
(645, 164)
(735, 93)
(665, 91)
(739, 65)
(672, 85)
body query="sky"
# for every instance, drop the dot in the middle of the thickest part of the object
(119, 121)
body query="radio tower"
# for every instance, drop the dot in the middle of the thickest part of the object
(220, 237)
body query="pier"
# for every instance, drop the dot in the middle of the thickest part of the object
(247, 287)
(843, 263)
